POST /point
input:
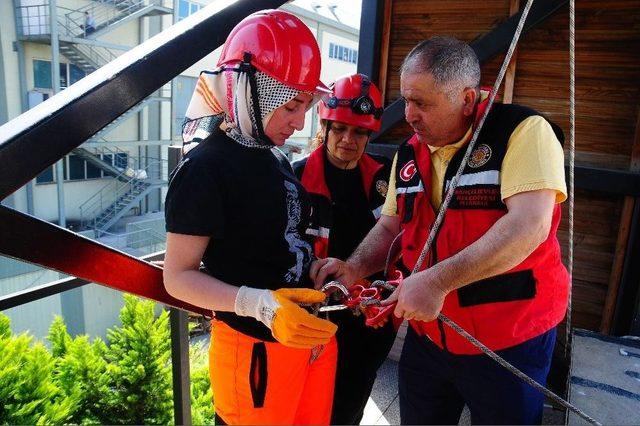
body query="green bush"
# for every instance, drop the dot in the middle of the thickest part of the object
(28, 392)
(201, 398)
(126, 380)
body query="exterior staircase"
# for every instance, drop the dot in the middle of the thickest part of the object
(96, 158)
(121, 205)
(102, 210)
(130, 183)
(87, 57)
(110, 14)
(79, 47)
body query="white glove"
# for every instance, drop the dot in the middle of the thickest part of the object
(289, 323)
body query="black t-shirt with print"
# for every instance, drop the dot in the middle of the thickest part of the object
(255, 211)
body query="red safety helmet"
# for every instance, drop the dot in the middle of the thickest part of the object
(281, 45)
(354, 100)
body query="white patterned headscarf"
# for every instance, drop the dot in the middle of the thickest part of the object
(222, 98)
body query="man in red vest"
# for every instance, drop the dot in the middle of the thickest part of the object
(495, 266)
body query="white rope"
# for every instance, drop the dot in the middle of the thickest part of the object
(572, 155)
(440, 217)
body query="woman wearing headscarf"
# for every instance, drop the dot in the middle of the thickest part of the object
(235, 205)
(347, 188)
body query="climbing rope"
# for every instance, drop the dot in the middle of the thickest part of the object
(572, 155)
(445, 204)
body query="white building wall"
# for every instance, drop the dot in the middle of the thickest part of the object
(20, 200)
(10, 60)
(34, 317)
(333, 68)
(101, 309)
(75, 193)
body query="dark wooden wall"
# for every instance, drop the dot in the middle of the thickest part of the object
(608, 99)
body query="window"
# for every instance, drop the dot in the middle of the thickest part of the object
(186, 8)
(46, 176)
(121, 160)
(342, 53)
(75, 73)
(42, 74)
(76, 168)
(93, 172)
(64, 78)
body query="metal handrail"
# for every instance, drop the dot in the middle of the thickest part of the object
(149, 236)
(98, 55)
(34, 20)
(106, 12)
(116, 152)
(119, 188)
(112, 192)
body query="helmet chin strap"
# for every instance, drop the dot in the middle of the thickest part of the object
(253, 85)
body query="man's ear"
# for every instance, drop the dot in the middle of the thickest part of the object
(470, 98)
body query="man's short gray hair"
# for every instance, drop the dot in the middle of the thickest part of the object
(452, 63)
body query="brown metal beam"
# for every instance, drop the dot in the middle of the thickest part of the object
(33, 240)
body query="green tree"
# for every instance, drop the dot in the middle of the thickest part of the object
(81, 372)
(139, 368)
(28, 393)
(124, 381)
(202, 410)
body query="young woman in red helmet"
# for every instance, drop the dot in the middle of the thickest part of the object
(348, 188)
(235, 205)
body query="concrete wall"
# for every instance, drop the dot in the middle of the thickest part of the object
(34, 317)
(10, 87)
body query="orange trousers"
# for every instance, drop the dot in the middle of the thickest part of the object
(258, 382)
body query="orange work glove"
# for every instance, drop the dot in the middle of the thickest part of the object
(289, 323)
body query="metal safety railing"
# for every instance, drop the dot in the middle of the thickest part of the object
(143, 239)
(33, 19)
(101, 13)
(121, 190)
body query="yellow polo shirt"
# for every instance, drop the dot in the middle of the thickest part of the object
(534, 160)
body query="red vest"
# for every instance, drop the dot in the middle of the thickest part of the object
(310, 171)
(500, 311)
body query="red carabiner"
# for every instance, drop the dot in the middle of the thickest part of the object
(377, 314)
